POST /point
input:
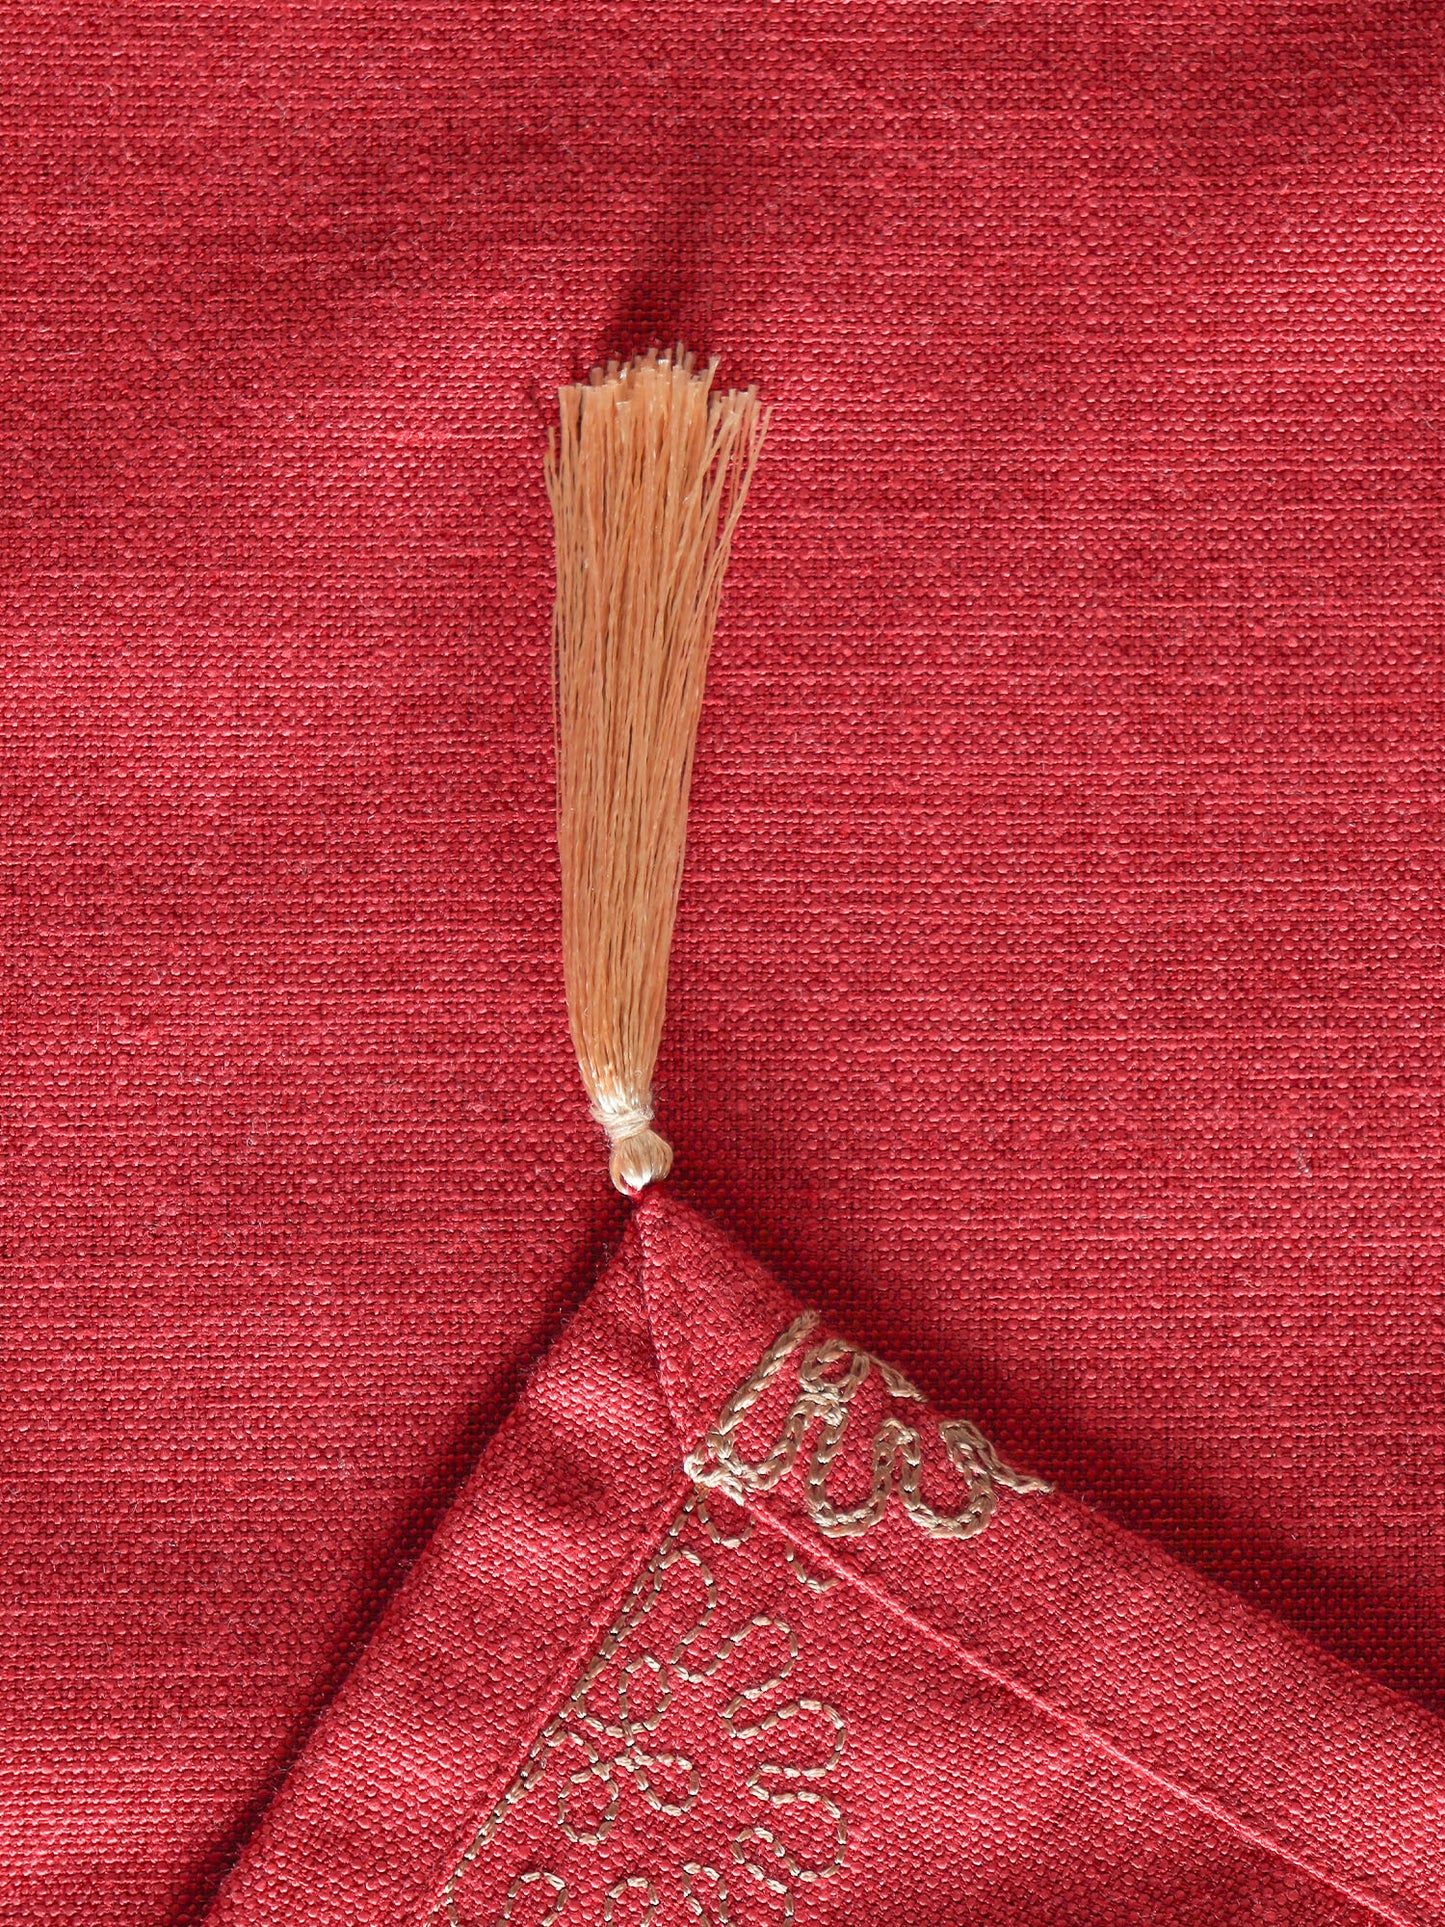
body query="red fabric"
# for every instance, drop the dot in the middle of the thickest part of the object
(1042, 1720)
(1057, 991)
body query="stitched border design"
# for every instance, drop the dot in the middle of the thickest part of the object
(616, 1754)
(829, 1376)
(609, 1756)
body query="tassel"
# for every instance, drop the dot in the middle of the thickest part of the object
(647, 480)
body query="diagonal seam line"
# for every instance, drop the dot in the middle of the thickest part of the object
(624, 1574)
(1075, 1723)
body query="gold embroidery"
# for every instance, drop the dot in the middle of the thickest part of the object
(829, 1377)
(620, 1887)
(558, 1887)
(612, 1755)
(814, 1581)
(615, 1753)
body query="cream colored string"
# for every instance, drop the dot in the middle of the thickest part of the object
(647, 476)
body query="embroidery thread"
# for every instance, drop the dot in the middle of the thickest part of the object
(825, 1394)
(615, 1753)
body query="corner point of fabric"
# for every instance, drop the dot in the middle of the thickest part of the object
(713, 1308)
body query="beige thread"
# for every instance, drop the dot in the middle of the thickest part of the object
(714, 1532)
(814, 1581)
(824, 1396)
(691, 1871)
(634, 1881)
(558, 1886)
(533, 1768)
(760, 1782)
(614, 1754)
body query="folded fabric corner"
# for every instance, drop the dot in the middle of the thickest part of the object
(730, 1626)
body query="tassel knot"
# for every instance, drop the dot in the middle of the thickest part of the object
(639, 1155)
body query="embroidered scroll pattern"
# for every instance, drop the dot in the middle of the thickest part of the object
(595, 1763)
(829, 1378)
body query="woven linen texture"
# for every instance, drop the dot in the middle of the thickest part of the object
(1057, 992)
(629, 1682)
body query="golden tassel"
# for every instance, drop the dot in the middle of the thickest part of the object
(647, 480)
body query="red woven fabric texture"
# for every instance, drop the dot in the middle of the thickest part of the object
(1057, 992)
(608, 1692)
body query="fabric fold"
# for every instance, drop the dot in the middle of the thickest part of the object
(729, 1625)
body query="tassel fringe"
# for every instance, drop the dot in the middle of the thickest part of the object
(647, 479)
